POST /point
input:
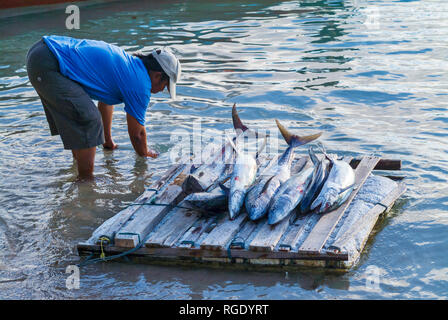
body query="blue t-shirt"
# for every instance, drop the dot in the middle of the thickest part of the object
(106, 72)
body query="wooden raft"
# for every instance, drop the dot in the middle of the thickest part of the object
(174, 233)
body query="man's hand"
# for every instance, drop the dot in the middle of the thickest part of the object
(152, 153)
(137, 134)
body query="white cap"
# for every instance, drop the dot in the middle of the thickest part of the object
(171, 66)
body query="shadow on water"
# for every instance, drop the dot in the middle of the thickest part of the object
(199, 282)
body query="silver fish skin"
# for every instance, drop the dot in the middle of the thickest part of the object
(338, 186)
(259, 198)
(320, 174)
(289, 196)
(244, 169)
(225, 176)
(216, 166)
(213, 170)
(216, 200)
(243, 176)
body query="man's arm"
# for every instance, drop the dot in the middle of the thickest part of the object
(137, 134)
(107, 112)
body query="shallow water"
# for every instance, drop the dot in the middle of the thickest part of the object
(371, 74)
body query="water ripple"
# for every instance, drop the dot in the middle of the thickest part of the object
(315, 65)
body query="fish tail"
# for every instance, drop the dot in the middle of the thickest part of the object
(294, 140)
(237, 123)
(192, 184)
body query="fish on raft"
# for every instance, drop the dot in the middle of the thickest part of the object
(259, 196)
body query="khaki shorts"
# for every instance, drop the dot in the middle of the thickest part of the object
(69, 110)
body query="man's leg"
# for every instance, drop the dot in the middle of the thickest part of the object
(70, 111)
(85, 159)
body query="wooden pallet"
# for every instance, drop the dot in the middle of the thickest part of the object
(175, 233)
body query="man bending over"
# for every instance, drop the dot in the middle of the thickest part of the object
(68, 73)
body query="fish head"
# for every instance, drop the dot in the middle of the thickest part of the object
(329, 202)
(236, 201)
(280, 210)
(258, 208)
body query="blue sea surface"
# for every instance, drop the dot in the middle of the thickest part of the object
(372, 75)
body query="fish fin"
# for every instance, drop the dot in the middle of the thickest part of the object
(237, 123)
(352, 186)
(313, 156)
(329, 157)
(295, 140)
(232, 144)
(266, 184)
(224, 188)
(344, 197)
(322, 148)
(194, 167)
(240, 127)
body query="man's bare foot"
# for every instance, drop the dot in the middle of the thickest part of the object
(152, 153)
(87, 178)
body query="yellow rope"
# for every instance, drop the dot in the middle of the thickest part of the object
(103, 255)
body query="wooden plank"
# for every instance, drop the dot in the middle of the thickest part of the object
(245, 230)
(322, 230)
(201, 226)
(223, 233)
(240, 239)
(109, 228)
(178, 222)
(360, 231)
(292, 235)
(268, 236)
(395, 178)
(179, 253)
(148, 216)
(383, 164)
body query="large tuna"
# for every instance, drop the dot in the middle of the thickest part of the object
(244, 171)
(337, 187)
(215, 200)
(289, 196)
(260, 194)
(320, 173)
